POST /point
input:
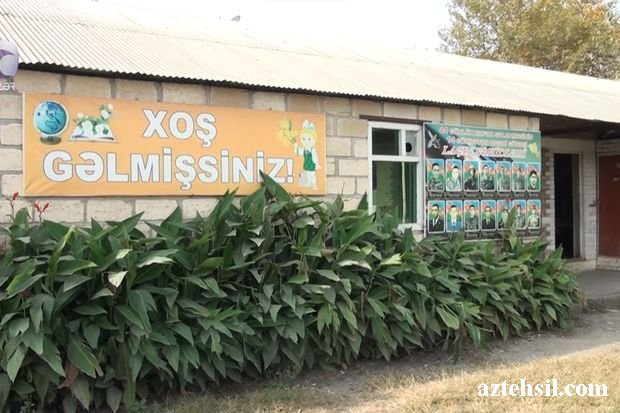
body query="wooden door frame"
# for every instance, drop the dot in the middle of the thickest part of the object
(598, 200)
(578, 200)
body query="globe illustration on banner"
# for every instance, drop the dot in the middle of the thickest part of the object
(50, 118)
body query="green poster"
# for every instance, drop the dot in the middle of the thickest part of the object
(475, 176)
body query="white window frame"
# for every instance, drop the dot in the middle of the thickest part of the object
(402, 128)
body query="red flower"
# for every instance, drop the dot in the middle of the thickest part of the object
(15, 195)
(47, 204)
(37, 206)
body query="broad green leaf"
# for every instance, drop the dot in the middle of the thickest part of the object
(298, 279)
(81, 390)
(113, 398)
(112, 258)
(329, 274)
(348, 315)
(33, 340)
(448, 318)
(137, 304)
(91, 333)
(156, 257)
(184, 331)
(74, 281)
(90, 309)
(18, 326)
(269, 354)
(348, 263)
(116, 278)
(324, 317)
(212, 262)
(104, 292)
(15, 362)
(70, 267)
(82, 358)
(393, 260)
(130, 315)
(69, 405)
(172, 355)
(51, 356)
(380, 309)
(303, 222)
(5, 389)
(22, 283)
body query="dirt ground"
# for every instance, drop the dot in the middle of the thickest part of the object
(592, 332)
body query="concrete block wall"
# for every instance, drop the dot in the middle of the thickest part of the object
(346, 132)
(548, 196)
(608, 147)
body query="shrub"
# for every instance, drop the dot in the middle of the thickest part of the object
(106, 315)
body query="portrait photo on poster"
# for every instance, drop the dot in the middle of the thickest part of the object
(454, 215)
(435, 179)
(520, 208)
(533, 214)
(503, 213)
(487, 176)
(503, 176)
(435, 222)
(471, 175)
(471, 211)
(488, 217)
(533, 177)
(454, 176)
(518, 176)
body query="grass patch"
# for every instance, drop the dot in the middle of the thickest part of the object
(446, 391)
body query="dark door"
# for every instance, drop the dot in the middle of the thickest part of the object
(567, 223)
(609, 206)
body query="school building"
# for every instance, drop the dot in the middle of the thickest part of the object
(368, 103)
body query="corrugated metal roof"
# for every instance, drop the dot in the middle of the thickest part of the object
(116, 38)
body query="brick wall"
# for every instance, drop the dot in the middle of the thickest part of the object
(347, 145)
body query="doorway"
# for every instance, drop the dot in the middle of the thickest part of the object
(609, 205)
(567, 211)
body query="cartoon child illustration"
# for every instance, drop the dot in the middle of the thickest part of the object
(91, 128)
(308, 138)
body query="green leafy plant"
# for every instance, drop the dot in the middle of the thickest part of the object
(108, 316)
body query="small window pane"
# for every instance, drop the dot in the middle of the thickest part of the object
(385, 142)
(395, 189)
(411, 143)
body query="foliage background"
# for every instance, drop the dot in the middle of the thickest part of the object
(578, 36)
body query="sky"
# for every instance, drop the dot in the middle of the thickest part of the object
(398, 23)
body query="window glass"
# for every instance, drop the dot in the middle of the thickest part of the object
(385, 142)
(411, 143)
(395, 189)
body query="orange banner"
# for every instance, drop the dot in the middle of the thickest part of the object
(83, 146)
